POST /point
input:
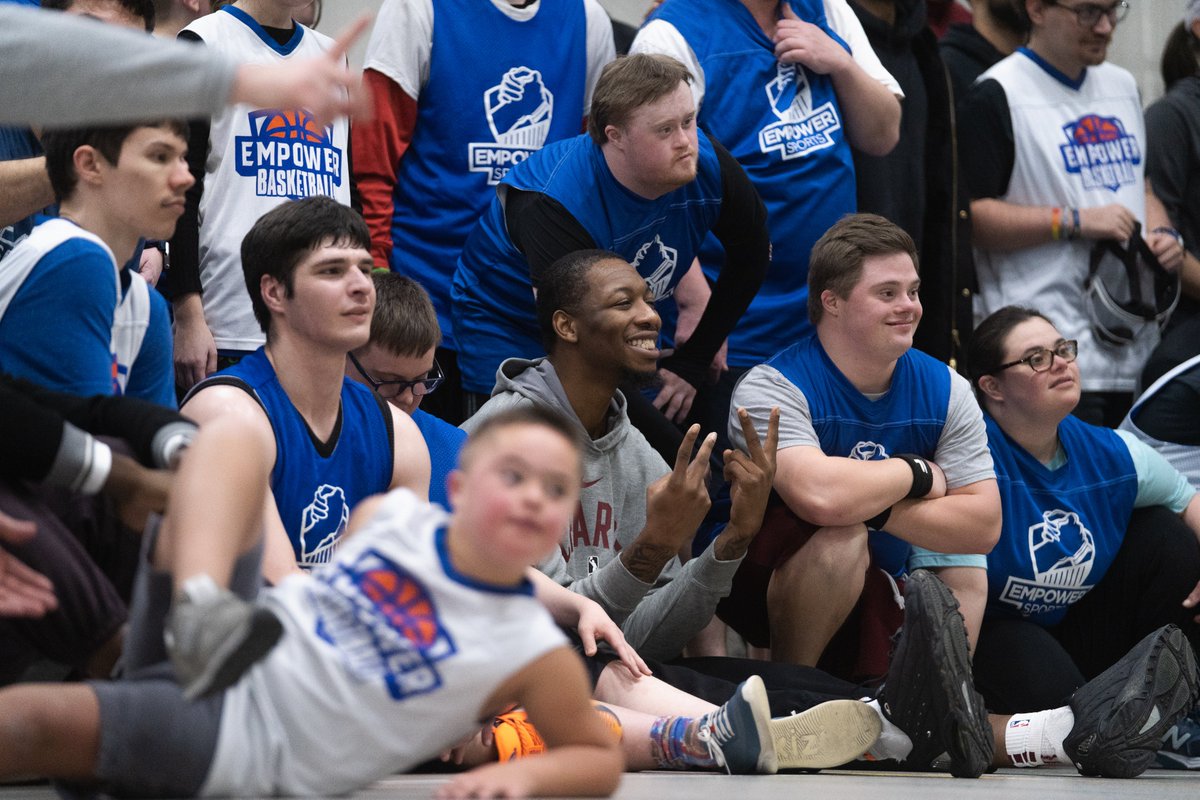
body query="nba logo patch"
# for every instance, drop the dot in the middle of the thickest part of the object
(1100, 152)
(288, 155)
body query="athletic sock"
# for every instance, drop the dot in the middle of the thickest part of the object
(675, 744)
(892, 742)
(1031, 740)
(199, 588)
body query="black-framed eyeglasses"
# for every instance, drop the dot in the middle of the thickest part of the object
(1088, 14)
(389, 389)
(1043, 359)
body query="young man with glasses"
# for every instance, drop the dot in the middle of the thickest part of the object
(307, 267)
(1099, 541)
(1053, 145)
(399, 363)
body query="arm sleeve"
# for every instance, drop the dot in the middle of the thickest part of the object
(1159, 484)
(986, 140)
(378, 145)
(1168, 153)
(183, 276)
(742, 231)
(761, 389)
(542, 229)
(600, 46)
(115, 75)
(962, 450)
(845, 23)
(670, 616)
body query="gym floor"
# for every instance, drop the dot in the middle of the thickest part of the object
(1059, 783)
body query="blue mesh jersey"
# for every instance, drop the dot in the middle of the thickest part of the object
(908, 418)
(316, 483)
(476, 118)
(444, 441)
(784, 126)
(493, 300)
(1062, 527)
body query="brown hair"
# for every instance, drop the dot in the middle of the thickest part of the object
(629, 83)
(404, 322)
(837, 257)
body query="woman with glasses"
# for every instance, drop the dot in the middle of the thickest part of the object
(1078, 575)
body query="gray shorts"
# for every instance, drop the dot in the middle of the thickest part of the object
(153, 742)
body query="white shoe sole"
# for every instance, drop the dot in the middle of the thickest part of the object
(826, 735)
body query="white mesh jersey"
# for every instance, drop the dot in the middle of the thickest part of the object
(1183, 457)
(257, 160)
(1078, 147)
(386, 660)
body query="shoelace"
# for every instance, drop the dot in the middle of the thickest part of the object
(713, 732)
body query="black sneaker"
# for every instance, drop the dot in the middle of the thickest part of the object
(1122, 714)
(929, 692)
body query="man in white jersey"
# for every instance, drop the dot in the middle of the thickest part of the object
(1053, 145)
(246, 161)
(389, 655)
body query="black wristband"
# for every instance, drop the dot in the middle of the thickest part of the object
(922, 475)
(877, 522)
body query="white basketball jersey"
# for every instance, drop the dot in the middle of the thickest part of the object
(386, 660)
(1183, 457)
(258, 159)
(1080, 148)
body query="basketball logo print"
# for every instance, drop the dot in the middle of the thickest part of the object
(404, 603)
(293, 125)
(383, 623)
(1101, 152)
(288, 154)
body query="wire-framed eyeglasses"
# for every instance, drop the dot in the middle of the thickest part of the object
(389, 389)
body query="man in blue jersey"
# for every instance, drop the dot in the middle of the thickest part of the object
(72, 317)
(642, 184)
(873, 435)
(806, 86)
(400, 364)
(463, 91)
(307, 267)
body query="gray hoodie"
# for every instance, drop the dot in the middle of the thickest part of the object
(658, 619)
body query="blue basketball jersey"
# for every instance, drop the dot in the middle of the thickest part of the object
(660, 238)
(908, 418)
(1062, 527)
(315, 483)
(444, 441)
(784, 126)
(483, 110)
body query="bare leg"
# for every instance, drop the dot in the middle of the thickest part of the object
(970, 588)
(649, 695)
(710, 641)
(999, 754)
(49, 730)
(223, 477)
(812, 594)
